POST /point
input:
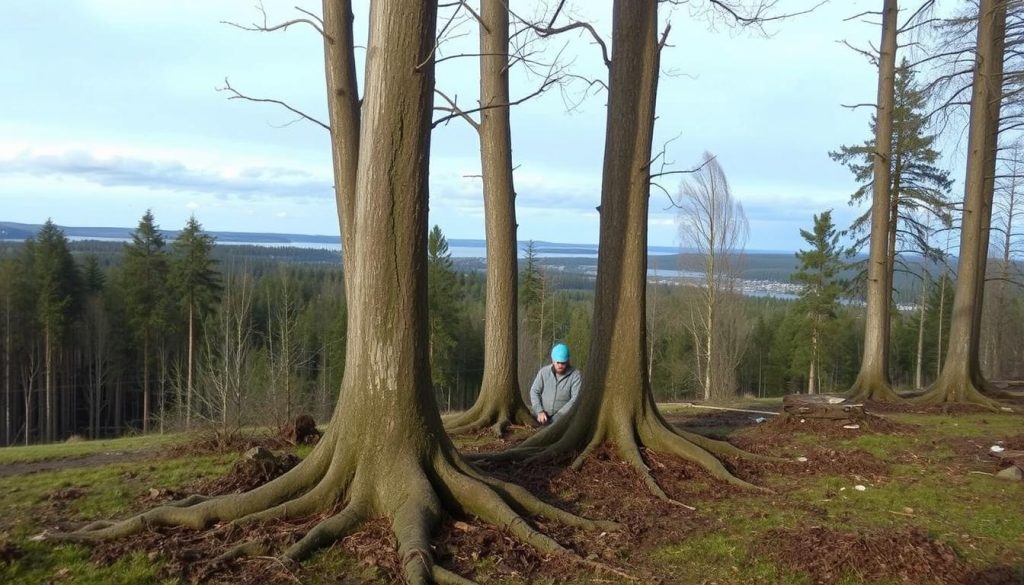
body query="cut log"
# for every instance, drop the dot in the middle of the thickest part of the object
(822, 407)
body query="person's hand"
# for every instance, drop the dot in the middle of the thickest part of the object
(542, 417)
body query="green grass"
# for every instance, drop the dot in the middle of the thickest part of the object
(940, 492)
(33, 453)
(48, 563)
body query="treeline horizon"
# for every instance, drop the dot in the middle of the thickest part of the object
(269, 323)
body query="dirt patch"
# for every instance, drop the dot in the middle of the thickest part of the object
(95, 460)
(9, 552)
(905, 407)
(812, 461)
(828, 556)
(779, 431)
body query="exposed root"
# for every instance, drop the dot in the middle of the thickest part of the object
(414, 506)
(878, 390)
(959, 391)
(724, 448)
(483, 415)
(325, 533)
(443, 576)
(252, 548)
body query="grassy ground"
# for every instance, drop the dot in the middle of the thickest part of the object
(922, 494)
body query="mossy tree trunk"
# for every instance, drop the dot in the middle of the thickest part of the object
(499, 403)
(960, 379)
(385, 453)
(872, 381)
(616, 403)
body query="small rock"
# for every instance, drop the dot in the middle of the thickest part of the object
(908, 510)
(859, 488)
(851, 427)
(1012, 473)
(760, 419)
(996, 449)
(835, 400)
(802, 459)
(801, 420)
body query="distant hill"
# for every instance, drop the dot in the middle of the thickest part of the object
(20, 231)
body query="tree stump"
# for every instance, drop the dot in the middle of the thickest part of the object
(823, 407)
(302, 430)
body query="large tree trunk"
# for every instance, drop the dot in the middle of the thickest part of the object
(995, 81)
(499, 403)
(872, 381)
(958, 380)
(616, 402)
(385, 453)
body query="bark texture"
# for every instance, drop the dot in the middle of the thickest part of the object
(616, 404)
(960, 379)
(500, 403)
(385, 453)
(872, 381)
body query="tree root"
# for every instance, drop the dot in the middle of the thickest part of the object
(650, 431)
(426, 490)
(876, 390)
(483, 415)
(957, 391)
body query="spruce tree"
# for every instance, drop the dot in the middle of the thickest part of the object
(197, 286)
(58, 288)
(818, 273)
(145, 273)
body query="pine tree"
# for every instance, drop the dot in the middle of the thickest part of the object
(442, 293)
(197, 285)
(145, 274)
(818, 273)
(58, 286)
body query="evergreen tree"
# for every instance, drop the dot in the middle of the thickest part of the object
(919, 188)
(533, 299)
(818, 273)
(442, 295)
(145, 274)
(58, 286)
(197, 285)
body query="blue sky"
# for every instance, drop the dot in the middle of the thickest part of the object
(109, 108)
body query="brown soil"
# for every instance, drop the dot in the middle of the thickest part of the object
(905, 407)
(828, 556)
(96, 460)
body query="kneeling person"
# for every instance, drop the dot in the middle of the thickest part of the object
(556, 387)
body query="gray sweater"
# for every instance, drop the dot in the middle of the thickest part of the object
(553, 394)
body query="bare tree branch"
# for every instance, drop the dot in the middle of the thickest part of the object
(237, 95)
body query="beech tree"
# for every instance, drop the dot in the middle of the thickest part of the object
(616, 403)
(499, 403)
(406, 469)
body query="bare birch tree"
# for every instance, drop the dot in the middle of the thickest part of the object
(713, 224)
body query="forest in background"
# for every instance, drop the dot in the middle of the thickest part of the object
(268, 334)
